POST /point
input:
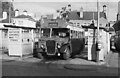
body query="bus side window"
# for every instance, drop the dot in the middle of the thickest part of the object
(74, 34)
(71, 34)
(78, 34)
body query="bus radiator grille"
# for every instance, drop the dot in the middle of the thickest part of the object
(50, 47)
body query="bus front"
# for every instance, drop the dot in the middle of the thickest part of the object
(52, 40)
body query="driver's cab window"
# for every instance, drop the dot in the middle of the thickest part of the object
(45, 32)
(60, 32)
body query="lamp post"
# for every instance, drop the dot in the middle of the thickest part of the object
(97, 41)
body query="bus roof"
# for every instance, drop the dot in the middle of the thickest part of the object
(58, 23)
(74, 28)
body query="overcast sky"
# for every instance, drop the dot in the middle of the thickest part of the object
(63, 0)
(40, 7)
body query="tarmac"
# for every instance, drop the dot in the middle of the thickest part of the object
(112, 60)
(75, 64)
(28, 58)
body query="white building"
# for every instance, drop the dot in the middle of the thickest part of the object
(79, 18)
(24, 21)
(3, 37)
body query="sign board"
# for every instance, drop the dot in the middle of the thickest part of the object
(14, 40)
(53, 24)
(20, 39)
(14, 34)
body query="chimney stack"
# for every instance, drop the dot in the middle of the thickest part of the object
(16, 12)
(4, 15)
(58, 13)
(81, 12)
(105, 9)
(25, 12)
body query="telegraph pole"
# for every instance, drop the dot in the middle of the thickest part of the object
(9, 11)
(97, 59)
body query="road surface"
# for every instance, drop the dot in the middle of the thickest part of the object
(19, 68)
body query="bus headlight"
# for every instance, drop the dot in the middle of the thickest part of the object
(99, 46)
(42, 46)
(58, 46)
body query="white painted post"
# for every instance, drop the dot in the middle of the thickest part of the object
(32, 39)
(108, 39)
(21, 56)
(103, 46)
(0, 39)
(90, 39)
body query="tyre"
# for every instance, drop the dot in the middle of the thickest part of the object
(40, 56)
(66, 55)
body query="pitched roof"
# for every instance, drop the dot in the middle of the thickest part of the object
(20, 16)
(25, 16)
(111, 29)
(5, 21)
(74, 15)
(12, 26)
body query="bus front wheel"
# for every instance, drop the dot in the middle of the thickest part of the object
(66, 55)
(41, 56)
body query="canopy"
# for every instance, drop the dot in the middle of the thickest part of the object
(116, 26)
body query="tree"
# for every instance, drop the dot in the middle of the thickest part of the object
(38, 24)
(64, 12)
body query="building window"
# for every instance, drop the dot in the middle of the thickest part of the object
(13, 21)
(78, 24)
(20, 22)
(74, 24)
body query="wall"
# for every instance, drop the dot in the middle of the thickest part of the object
(23, 22)
(81, 22)
(3, 37)
(103, 22)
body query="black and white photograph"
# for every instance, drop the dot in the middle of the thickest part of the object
(59, 38)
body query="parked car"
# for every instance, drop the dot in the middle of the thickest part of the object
(117, 42)
(112, 43)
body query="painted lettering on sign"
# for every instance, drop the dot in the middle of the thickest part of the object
(14, 34)
(53, 24)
